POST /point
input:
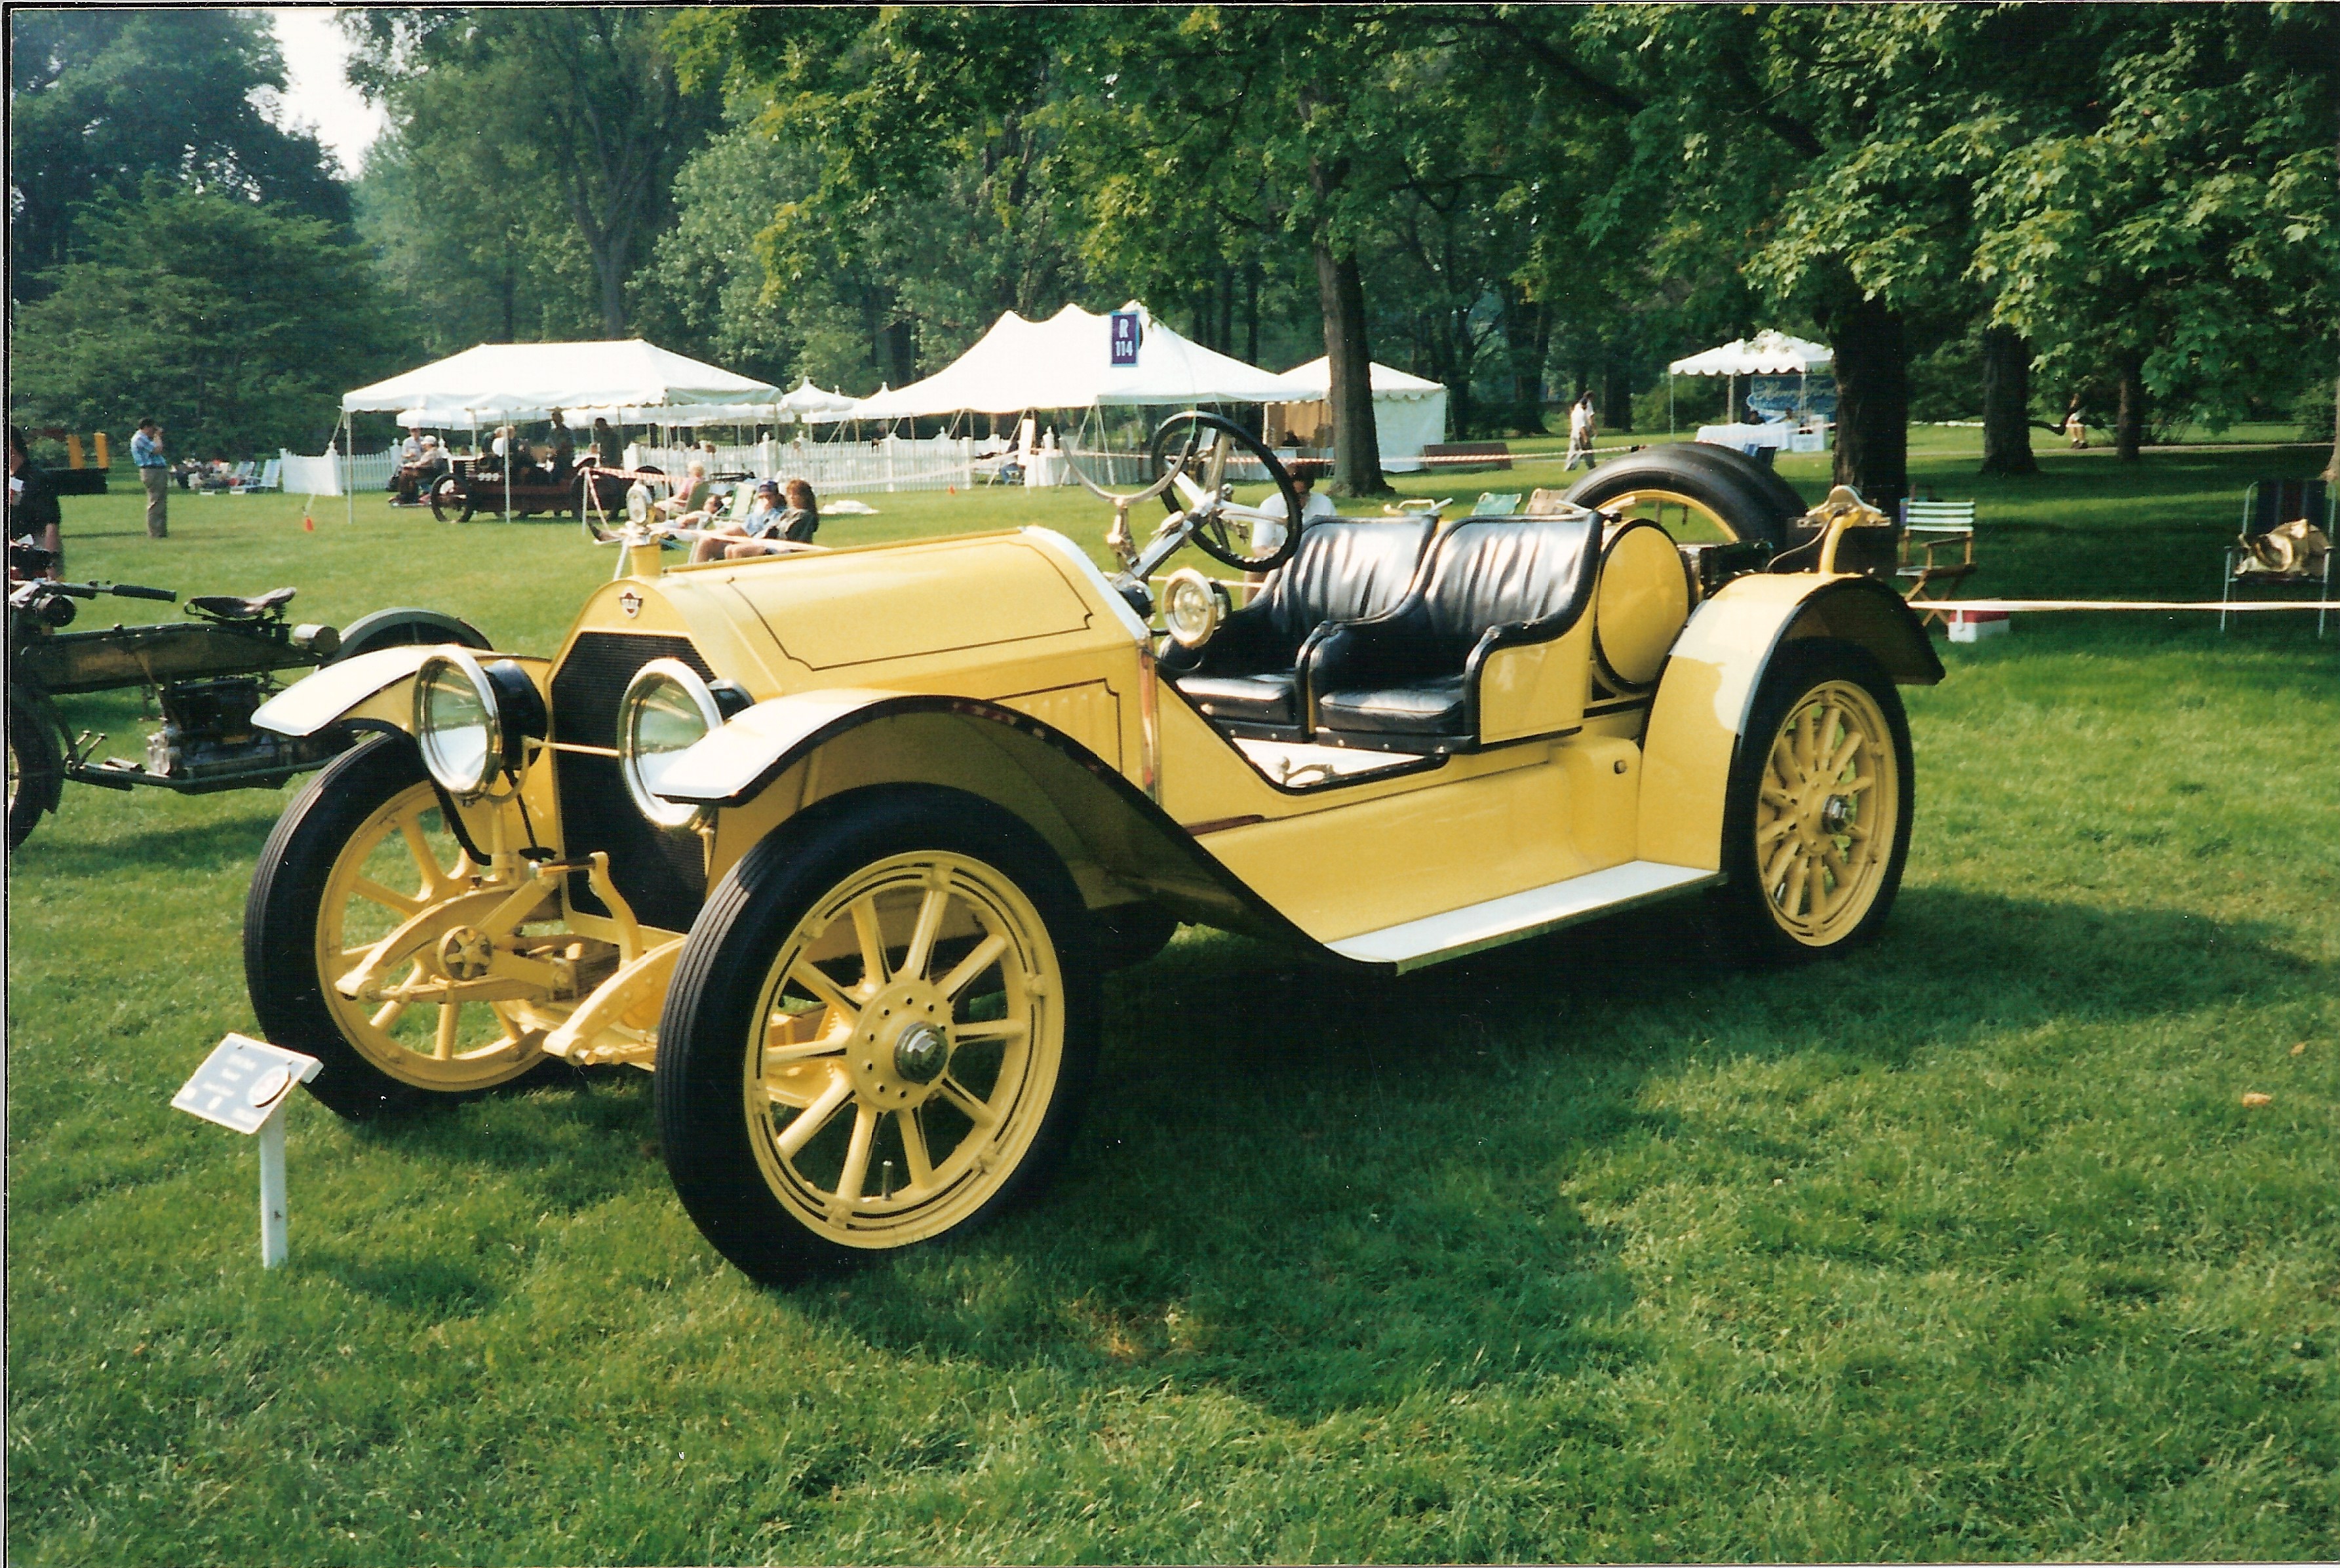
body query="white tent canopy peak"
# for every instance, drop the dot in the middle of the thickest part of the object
(1766, 354)
(528, 380)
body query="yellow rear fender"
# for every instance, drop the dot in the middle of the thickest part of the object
(789, 753)
(373, 691)
(1712, 677)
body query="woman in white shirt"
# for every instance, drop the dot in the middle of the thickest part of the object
(1313, 508)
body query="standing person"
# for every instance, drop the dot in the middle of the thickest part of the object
(32, 512)
(155, 473)
(608, 446)
(564, 450)
(2074, 427)
(1580, 433)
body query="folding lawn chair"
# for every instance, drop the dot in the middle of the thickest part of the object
(1936, 553)
(2285, 543)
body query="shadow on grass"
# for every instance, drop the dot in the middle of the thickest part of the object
(204, 847)
(1327, 1192)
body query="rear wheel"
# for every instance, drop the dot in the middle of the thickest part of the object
(1816, 820)
(37, 766)
(878, 1034)
(360, 849)
(405, 626)
(1699, 495)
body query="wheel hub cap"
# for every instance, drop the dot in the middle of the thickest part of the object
(902, 1045)
(465, 953)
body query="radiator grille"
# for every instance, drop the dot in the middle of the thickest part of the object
(661, 871)
(590, 683)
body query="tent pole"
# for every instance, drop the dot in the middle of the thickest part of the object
(1670, 403)
(349, 482)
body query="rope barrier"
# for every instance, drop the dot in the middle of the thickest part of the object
(2011, 606)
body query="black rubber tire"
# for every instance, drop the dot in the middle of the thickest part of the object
(1753, 502)
(37, 765)
(406, 627)
(279, 926)
(1129, 934)
(717, 989)
(1741, 907)
(451, 502)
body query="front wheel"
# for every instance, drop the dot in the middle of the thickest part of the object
(880, 1032)
(1816, 820)
(37, 765)
(360, 850)
(450, 502)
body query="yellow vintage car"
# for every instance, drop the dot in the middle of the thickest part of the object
(841, 842)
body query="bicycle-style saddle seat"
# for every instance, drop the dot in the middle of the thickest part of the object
(228, 607)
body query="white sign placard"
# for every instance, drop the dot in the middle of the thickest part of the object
(243, 1081)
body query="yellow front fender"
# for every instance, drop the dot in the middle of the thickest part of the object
(1710, 682)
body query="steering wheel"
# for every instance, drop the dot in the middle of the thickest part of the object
(1191, 450)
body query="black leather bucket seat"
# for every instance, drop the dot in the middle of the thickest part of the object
(1246, 678)
(1408, 680)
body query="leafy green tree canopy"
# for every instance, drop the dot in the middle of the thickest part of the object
(100, 97)
(238, 325)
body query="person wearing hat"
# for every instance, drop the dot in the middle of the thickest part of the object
(725, 534)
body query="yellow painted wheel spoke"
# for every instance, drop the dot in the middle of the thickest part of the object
(814, 1116)
(391, 1011)
(373, 892)
(922, 936)
(989, 1029)
(855, 1177)
(450, 1019)
(871, 934)
(974, 1110)
(914, 1149)
(823, 988)
(985, 954)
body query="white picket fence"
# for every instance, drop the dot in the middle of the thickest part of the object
(830, 467)
(325, 475)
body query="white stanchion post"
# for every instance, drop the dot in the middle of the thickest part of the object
(243, 1086)
(275, 1245)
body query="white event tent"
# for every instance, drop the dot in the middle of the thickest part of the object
(1409, 412)
(1067, 362)
(1766, 354)
(630, 380)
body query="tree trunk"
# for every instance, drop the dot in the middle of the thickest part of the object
(2332, 469)
(1616, 394)
(1356, 444)
(2128, 422)
(1251, 312)
(2007, 402)
(1872, 402)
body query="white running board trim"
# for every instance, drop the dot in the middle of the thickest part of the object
(1476, 928)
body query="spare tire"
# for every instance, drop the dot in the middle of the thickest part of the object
(1696, 492)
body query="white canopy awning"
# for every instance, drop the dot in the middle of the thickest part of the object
(1766, 354)
(815, 406)
(1312, 383)
(528, 380)
(1067, 362)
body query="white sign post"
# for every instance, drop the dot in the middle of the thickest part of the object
(243, 1086)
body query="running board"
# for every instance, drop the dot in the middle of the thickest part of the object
(1476, 928)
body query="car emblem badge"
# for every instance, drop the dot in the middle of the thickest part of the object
(630, 602)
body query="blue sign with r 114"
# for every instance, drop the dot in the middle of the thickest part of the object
(1125, 338)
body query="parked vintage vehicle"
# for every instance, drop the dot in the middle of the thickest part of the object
(474, 485)
(840, 843)
(209, 675)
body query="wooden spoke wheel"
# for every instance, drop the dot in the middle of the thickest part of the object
(449, 500)
(878, 1034)
(35, 766)
(1817, 824)
(357, 852)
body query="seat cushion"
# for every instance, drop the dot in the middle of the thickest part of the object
(1432, 707)
(1246, 698)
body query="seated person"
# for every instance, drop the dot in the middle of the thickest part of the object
(777, 532)
(1313, 508)
(762, 508)
(689, 497)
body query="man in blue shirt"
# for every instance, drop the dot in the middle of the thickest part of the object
(155, 473)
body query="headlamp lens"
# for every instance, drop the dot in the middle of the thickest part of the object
(667, 709)
(455, 721)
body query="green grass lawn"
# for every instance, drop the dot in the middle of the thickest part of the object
(1963, 1247)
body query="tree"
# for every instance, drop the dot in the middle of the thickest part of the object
(101, 97)
(2173, 218)
(542, 129)
(238, 325)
